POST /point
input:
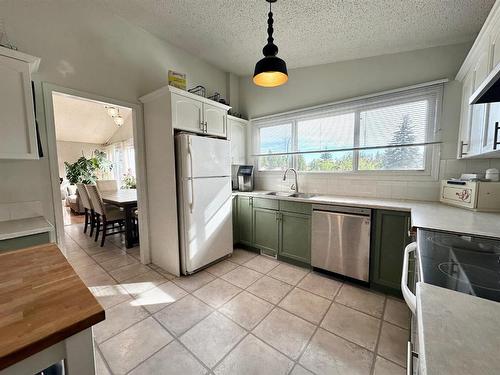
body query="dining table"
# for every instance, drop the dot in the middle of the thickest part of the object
(126, 199)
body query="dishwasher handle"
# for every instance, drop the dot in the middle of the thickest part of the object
(410, 298)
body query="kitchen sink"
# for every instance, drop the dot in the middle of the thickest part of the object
(291, 195)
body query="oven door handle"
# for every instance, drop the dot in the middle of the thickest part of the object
(410, 298)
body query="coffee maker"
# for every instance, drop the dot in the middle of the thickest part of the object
(245, 178)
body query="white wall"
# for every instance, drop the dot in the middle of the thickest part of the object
(343, 80)
(72, 151)
(84, 47)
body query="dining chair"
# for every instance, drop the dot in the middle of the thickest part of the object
(87, 206)
(105, 216)
(107, 185)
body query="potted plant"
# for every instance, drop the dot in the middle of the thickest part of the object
(85, 170)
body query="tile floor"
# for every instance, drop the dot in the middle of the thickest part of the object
(246, 315)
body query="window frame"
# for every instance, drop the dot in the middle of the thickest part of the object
(356, 106)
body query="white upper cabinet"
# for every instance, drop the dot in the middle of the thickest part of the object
(237, 129)
(197, 114)
(215, 120)
(18, 139)
(478, 121)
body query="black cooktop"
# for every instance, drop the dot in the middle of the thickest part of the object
(462, 263)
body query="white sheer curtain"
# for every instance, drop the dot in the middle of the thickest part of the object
(122, 156)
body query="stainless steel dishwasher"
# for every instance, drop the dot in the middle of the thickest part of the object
(340, 240)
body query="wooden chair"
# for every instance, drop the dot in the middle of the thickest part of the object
(107, 185)
(105, 216)
(87, 206)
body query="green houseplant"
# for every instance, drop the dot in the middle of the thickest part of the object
(85, 170)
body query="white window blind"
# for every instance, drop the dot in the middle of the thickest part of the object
(393, 131)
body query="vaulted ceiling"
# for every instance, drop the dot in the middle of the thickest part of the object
(231, 33)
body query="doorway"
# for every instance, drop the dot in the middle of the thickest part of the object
(97, 141)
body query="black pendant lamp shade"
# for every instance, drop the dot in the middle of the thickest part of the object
(271, 70)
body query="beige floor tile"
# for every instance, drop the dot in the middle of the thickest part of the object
(270, 289)
(126, 350)
(246, 309)
(183, 314)
(159, 297)
(385, 367)
(253, 357)
(173, 359)
(217, 293)
(117, 262)
(306, 305)
(289, 274)
(95, 248)
(90, 270)
(299, 370)
(397, 312)
(143, 282)
(110, 295)
(162, 272)
(242, 277)
(361, 299)
(81, 261)
(320, 285)
(129, 271)
(98, 280)
(352, 325)
(193, 282)
(393, 343)
(221, 268)
(285, 332)
(135, 252)
(118, 318)
(241, 256)
(100, 366)
(328, 354)
(212, 338)
(108, 255)
(262, 264)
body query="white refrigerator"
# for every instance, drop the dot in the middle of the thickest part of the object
(204, 200)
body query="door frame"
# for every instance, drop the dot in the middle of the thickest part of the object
(140, 159)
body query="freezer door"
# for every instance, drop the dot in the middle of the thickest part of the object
(203, 156)
(206, 225)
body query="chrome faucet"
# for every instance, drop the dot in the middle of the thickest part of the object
(295, 186)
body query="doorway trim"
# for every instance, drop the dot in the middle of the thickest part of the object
(140, 160)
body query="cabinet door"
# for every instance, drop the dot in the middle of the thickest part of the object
(479, 111)
(187, 114)
(235, 219)
(245, 220)
(236, 133)
(295, 236)
(266, 230)
(492, 128)
(215, 120)
(390, 236)
(465, 116)
(17, 118)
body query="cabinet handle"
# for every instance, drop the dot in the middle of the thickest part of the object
(202, 126)
(495, 137)
(251, 201)
(461, 151)
(409, 358)
(408, 225)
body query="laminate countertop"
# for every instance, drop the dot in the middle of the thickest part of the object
(42, 302)
(426, 215)
(459, 334)
(24, 227)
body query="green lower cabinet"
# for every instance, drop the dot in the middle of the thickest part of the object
(266, 230)
(236, 235)
(295, 236)
(245, 220)
(24, 241)
(389, 239)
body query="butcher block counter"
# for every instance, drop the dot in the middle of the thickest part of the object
(46, 313)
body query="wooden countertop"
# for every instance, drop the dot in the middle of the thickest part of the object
(42, 302)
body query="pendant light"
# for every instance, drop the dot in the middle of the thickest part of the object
(271, 70)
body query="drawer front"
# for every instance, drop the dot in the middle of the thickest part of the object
(296, 207)
(25, 241)
(270, 204)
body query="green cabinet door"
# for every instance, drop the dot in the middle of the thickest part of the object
(266, 230)
(390, 237)
(295, 236)
(245, 220)
(234, 209)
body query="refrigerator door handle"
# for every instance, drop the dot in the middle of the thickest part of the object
(191, 204)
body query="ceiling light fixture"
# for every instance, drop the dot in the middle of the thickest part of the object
(119, 120)
(112, 111)
(271, 70)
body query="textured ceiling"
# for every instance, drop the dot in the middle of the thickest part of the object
(231, 33)
(81, 120)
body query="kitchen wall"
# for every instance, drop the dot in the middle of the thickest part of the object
(72, 151)
(332, 82)
(84, 46)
